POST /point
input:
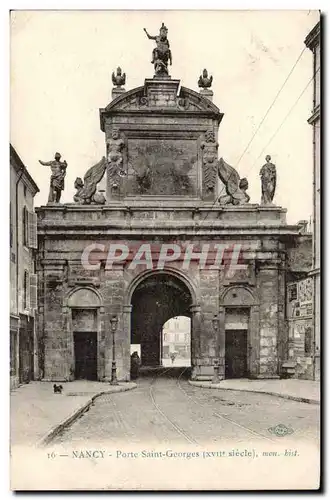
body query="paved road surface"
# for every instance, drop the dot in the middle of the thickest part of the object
(165, 409)
(178, 362)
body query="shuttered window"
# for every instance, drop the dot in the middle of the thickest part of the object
(33, 291)
(29, 228)
(32, 230)
(26, 289)
(25, 226)
(11, 224)
(13, 352)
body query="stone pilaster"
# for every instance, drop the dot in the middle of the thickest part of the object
(222, 342)
(113, 304)
(57, 348)
(101, 344)
(195, 339)
(282, 323)
(209, 293)
(254, 342)
(126, 351)
(268, 292)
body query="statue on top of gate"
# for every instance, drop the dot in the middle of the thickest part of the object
(268, 182)
(161, 55)
(58, 169)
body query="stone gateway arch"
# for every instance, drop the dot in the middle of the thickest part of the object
(179, 250)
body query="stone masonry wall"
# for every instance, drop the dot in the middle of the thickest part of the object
(113, 286)
(209, 302)
(268, 291)
(57, 352)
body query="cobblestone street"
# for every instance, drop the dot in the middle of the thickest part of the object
(166, 409)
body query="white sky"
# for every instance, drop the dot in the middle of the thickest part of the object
(61, 65)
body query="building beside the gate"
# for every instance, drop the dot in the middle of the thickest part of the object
(23, 289)
(313, 42)
(300, 309)
(176, 337)
(160, 245)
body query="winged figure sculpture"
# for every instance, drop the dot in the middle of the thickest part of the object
(234, 185)
(86, 190)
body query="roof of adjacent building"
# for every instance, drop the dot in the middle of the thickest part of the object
(19, 166)
(313, 37)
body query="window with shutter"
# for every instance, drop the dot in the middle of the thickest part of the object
(32, 230)
(11, 224)
(25, 226)
(13, 351)
(26, 301)
(33, 291)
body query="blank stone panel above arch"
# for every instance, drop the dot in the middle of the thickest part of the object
(84, 297)
(238, 296)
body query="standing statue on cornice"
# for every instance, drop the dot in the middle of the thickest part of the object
(58, 169)
(268, 182)
(161, 54)
(235, 187)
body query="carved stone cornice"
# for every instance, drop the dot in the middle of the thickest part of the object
(313, 37)
(94, 282)
(268, 264)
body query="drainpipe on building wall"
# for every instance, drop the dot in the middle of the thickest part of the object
(279, 340)
(314, 255)
(17, 183)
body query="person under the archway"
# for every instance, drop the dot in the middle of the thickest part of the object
(135, 365)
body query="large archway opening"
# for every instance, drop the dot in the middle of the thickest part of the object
(155, 300)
